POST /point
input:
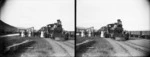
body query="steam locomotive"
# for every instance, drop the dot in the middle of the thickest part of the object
(55, 30)
(115, 31)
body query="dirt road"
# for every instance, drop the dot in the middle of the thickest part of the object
(61, 48)
(126, 48)
(93, 47)
(107, 47)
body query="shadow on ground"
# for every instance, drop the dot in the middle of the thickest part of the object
(17, 51)
(14, 51)
(83, 48)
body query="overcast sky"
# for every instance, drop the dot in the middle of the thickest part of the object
(38, 13)
(133, 13)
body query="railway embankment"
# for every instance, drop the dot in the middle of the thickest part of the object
(93, 47)
(24, 47)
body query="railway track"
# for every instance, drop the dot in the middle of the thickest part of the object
(132, 51)
(139, 45)
(69, 44)
(61, 49)
(128, 49)
(119, 49)
(64, 49)
(67, 48)
(140, 48)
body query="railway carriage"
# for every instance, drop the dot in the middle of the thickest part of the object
(140, 34)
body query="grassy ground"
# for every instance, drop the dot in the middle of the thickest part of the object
(81, 39)
(71, 38)
(99, 47)
(37, 48)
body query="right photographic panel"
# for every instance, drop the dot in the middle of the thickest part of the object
(108, 28)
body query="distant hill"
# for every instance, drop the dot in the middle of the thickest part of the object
(6, 28)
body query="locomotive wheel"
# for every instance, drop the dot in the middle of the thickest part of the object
(126, 38)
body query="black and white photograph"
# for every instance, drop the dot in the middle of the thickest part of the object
(37, 28)
(74, 28)
(113, 28)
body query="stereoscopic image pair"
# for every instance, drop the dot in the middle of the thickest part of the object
(74, 28)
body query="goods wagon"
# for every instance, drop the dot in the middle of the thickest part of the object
(140, 34)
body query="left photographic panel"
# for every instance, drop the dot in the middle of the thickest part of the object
(37, 28)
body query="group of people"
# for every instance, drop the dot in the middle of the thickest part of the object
(52, 30)
(85, 33)
(111, 30)
(26, 33)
